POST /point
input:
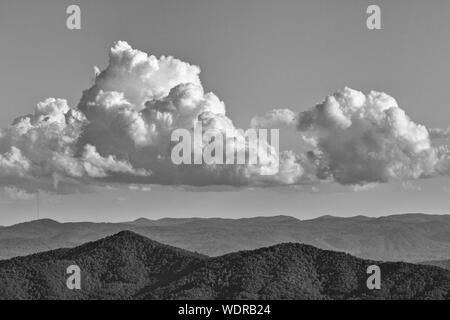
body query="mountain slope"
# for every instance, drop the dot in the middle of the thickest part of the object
(296, 271)
(113, 267)
(444, 264)
(129, 266)
(409, 237)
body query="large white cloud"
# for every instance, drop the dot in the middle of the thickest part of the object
(366, 138)
(139, 100)
(40, 149)
(121, 132)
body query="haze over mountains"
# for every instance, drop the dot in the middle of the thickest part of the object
(408, 237)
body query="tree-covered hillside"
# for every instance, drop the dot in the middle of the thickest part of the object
(129, 266)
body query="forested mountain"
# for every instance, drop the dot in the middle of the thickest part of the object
(445, 264)
(129, 266)
(114, 267)
(408, 237)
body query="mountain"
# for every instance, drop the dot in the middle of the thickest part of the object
(129, 266)
(445, 264)
(408, 237)
(112, 268)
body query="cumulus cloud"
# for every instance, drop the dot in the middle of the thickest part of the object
(138, 101)
(443, 164)
(362, 139)
(121, 132)
(41, 149)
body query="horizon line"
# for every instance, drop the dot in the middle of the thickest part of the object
(326, 216)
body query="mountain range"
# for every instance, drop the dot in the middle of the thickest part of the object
(407, 237)
(129, 266)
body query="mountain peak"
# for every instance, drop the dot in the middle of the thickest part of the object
(44, 221)
(141, 220)
(128, 234)
(128, 240)
(37, 223)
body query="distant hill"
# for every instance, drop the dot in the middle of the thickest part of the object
(408, 237)
(445, 264)
(129, 266)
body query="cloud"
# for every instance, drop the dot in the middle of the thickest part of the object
(13, 164)
(275, 119)
(142, 188)
(408, 185)
(138, 101)
(42, 149)
(120, 132)
(361, 139)
(365, 187)
(443, 165)
(13, 193)
(438, 133)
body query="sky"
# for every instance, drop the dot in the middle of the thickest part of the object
(255, 55)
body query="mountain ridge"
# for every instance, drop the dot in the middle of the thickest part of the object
(129, 266)
(445, 264)
(409, 237)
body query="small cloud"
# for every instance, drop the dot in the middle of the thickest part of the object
(17, 194)
(365, 187)
(439, 133)
(408, 185)
(143, 188)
